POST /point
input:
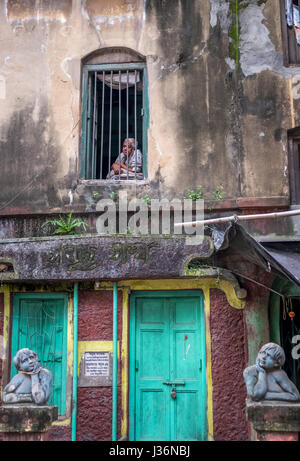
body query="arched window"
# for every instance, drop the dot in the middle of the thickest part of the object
(114, 115)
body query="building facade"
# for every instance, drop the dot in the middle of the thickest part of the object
(147, 336)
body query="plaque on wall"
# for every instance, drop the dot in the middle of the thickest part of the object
(95, 369)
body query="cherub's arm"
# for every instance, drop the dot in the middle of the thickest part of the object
(14, 383)
(41, 386)
(290, 391)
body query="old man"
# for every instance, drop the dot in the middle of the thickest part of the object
(128, 164)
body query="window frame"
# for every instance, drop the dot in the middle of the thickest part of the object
(84, 158)
(294, 178)
(287, 61)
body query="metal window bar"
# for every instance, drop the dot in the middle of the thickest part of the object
(135, 125)
(94, 139)
(102, 124)
(110, 119)
(88, 124)
(120, 120)
(294, 31)
(127, 108)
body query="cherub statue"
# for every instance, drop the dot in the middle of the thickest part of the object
(266, 380)
(31, 384)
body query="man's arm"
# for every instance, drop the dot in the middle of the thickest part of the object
(137, 160)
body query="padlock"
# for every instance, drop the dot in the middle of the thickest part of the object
(173, 393)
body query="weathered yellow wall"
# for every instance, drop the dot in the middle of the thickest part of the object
(208, 124)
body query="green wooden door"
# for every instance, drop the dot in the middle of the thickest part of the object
(40, 323)
(167, 357)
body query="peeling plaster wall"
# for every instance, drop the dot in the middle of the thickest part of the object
(209, 123)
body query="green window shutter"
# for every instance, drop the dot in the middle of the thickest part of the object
(40, 323)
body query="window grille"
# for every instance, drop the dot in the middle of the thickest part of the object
(114, 111)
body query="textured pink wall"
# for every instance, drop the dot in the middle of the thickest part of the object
(95, 323)
(95, 315)
(1, 333)
(228, 363)
(94, 405)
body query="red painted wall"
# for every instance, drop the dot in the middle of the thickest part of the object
(94, 405)
(228, 363)
(229, 358)
(1, 333)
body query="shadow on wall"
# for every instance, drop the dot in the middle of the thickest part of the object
(29, 161)
(202, 103)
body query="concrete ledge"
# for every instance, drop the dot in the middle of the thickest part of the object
(274, 416)
(27, 418)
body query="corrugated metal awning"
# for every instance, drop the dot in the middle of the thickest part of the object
(283, 259)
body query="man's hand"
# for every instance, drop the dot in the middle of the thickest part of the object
(124, 167)
(115, 167)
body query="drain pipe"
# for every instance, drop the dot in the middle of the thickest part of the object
(75, 360)
(115, 362)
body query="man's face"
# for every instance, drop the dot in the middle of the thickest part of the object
(130, 148)
(28, 362)
(266, 360)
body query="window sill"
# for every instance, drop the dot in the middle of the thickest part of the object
(106, 182)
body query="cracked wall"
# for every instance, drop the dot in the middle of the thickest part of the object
(210, 123)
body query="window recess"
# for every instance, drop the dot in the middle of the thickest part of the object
(294, 165)
(114, 109)
(290, 22)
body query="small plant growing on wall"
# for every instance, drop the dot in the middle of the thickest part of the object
(195, 194)
(113, 196)
(218, 194)
(96, 195)
(147, 199)
(65, 226)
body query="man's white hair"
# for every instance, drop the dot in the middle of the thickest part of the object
(132, 141)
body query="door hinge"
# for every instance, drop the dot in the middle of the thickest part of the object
(142, 112)
(136, 365)
(200, 364)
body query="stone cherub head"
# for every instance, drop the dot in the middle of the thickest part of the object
(31, 384)
(266, 380)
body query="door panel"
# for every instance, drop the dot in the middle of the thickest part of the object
(168, 344)
(40, 323)
(152, 338)
(186, 416)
